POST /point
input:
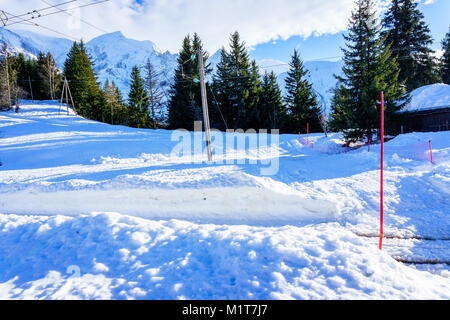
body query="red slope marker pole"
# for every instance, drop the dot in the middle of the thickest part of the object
(431, 152)
(307, 133)
(381, 171)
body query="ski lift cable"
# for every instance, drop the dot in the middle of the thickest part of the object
(41, 26)
(44, 9)
(82, 20)
(51, 13)
(218, 107)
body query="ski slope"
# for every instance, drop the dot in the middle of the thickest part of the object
(93, 211)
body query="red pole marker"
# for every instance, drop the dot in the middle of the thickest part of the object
(369, 145)
(307, 133)
(381, 171)
(431, 152)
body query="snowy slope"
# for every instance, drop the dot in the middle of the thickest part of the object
(104, 212)
(429, 97)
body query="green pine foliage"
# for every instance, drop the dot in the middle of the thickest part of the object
(369, 68)
(233, 82)
(49, 79)
(87, 95)
(302, 106)
(445, 61)
(272, 109)
(410, 40)
(116, 112)
(185, 106)
(138, 101)
(253, 102)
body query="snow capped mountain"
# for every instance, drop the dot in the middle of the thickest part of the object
(269, 65)
(114, 56)
(321, 75)
(30, 44)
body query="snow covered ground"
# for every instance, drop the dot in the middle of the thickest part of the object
(93, 211)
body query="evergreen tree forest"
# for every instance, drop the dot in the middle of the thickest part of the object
(239, 96)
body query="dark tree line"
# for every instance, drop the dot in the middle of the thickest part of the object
(239, 96)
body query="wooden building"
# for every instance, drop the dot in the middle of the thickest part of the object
(436, 119)
(428, 110)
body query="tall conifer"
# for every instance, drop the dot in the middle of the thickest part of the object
(369, 68)
(445, 61)
(86, 92)
(409, 37)
(138, 102)
(301, 100)
(272, 110)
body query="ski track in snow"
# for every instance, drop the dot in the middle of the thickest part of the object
(136, 222)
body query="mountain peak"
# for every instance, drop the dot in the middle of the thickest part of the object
(115, 34)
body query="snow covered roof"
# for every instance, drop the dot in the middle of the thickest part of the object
(431, 97)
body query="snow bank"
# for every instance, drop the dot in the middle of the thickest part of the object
(107, 255)
(191, 229)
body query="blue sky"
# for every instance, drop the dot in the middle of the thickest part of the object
(437, 16)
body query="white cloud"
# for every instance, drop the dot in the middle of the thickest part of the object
(166, 22)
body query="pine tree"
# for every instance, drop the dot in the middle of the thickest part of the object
(87, 95)
(49, 74)
(117, 111)
(253, 100)
(445, 61)
(180, 114)
(338, 113)
(17, 93)
(138, 102)
(233, 81)
(369, 68)
(27, 75)
(152, 85)
(5, 85)
(301, 101)
(410, 41)
(272, 109)
(185, 97)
